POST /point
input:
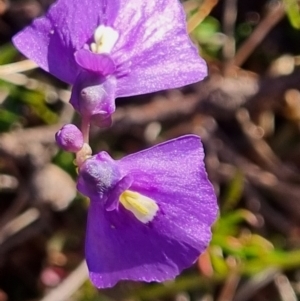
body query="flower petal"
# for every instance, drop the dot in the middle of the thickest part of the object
(52, 40)
(174, 173)
(154, 39)
(119, 246)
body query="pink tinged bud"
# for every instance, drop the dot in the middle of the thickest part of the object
(69, 138)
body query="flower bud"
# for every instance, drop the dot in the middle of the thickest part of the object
(69, 138)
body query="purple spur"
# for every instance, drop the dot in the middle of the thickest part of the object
(113, 48)
(150, 212)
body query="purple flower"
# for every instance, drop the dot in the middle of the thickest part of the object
(150, 212)
(113, 48)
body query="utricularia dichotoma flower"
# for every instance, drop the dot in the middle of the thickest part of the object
(150, 213)
(113, 48)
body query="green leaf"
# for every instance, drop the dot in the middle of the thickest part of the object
(234, 191)
(7, 118)
(7, 53)
(293, 12)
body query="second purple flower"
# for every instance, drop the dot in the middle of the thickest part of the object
(150, 213)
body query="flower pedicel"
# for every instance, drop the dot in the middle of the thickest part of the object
(150, 212)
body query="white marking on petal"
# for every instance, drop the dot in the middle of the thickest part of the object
(142, 207)
(105, 39)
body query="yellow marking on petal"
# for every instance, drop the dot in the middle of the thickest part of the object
(142, 207)
(105, 39)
